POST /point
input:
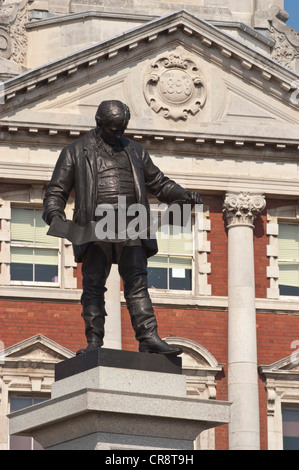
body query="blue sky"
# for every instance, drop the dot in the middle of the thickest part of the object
(292, 7)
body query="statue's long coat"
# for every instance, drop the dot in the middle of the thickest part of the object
(77, 168)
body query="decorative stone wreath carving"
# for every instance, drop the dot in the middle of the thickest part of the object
(174, 86)
(5, 44)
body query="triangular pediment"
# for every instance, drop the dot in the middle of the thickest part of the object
(38, 349)
(180, 76)
(286, 366)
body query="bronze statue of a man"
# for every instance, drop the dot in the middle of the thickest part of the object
(101, 166)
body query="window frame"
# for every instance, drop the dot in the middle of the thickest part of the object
(285, 221)
(283, 214)
(58, 249)
(288, 406)
(282, 386)
(192, 257)
(32, 397)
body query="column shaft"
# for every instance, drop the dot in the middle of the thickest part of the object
(113, 339)
(240, 210)
(242, 352)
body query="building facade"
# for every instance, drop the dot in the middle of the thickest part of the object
(213, 89)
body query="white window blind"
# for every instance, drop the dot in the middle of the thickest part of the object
(171, 268)
(288, 259)
(34, 254)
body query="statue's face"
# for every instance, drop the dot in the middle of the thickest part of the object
(112, 130)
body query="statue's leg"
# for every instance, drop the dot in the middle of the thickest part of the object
(95, 270)
(133, 270)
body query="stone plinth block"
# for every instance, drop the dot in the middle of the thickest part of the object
(119, 400)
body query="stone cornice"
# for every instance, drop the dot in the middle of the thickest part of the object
(214, 144)
(139, 17)
(41, 293)
(86, 15)
(246, 29)
(209, 183)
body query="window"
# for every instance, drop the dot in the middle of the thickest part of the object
(290, 419)
(288, 259)
(34, 255)
(23, 442)
(171, 268)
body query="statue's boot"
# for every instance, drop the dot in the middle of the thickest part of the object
(133, 270)
(94, 319)
(145, 326)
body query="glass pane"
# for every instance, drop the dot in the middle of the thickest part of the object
(21, 272)
(49, 257)
(175, 240)
(19, 403)
(163, 239)
(28, 227)
(158, 261)
(20, 443)
(41, 237)
(172, 272)
(46, 273)
(288, 242)
(21, 255)
(34, 265)
(157, 278)
(36, 401)
(180, 276)
(180, 279)
(290, 418)
(180, 263)
(288, 279)
(22, 226)
(21, 267)
(23, 442)
(180, 241)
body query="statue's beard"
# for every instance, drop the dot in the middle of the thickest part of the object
(110, 147)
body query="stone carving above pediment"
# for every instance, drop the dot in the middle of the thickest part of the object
(286, 48)
(174, 86)
(13, 37)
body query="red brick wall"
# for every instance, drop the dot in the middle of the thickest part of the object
(260, 242)
(60, 322)
(218, 254)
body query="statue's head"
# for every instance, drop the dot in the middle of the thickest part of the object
(112, 119)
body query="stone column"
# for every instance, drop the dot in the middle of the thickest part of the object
(240, 210)
(112, 339)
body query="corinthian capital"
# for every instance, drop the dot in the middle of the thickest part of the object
(242, 208)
